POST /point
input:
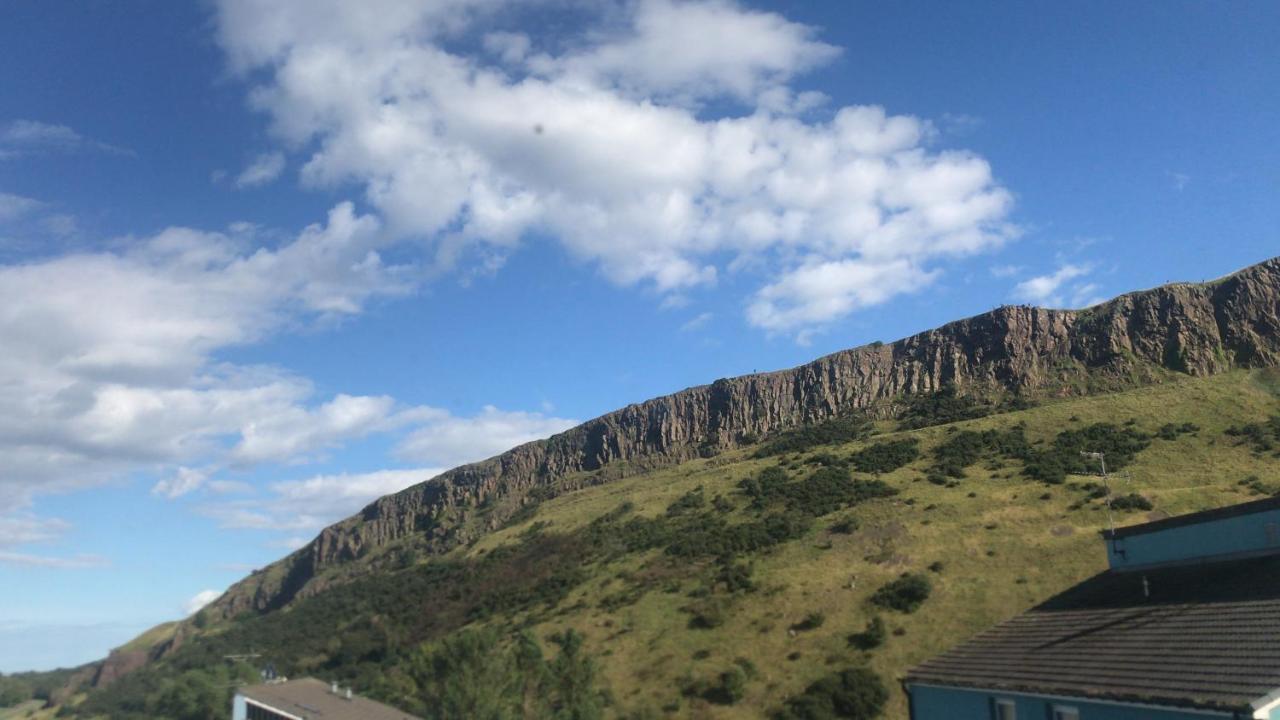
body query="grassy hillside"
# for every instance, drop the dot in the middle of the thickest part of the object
(726, 586)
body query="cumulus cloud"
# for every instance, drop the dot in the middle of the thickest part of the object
(1058, 289)
(264, 169)
(298, 430)
(601, 140)
(199, 600)
(448, 440)
(822, 291)
(108, 362)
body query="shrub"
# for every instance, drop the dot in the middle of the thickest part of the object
(1120, 444)
(1132, 501)
(727, 689)
(870, 638)
(812, 621)
(1261, 437)
(690, 502)
(966, 447)
(829, 432)
(905, 594)
(941, 407)
(886, 457)
(847, 526)
(707, 615)
(856, 693)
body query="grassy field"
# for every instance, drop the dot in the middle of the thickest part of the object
(1004, 543)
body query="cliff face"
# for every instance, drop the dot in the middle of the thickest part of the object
(1133, 339)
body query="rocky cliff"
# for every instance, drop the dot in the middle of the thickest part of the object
(1142, 337)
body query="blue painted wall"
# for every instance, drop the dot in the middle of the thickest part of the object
(1258, 532)
(934, 703)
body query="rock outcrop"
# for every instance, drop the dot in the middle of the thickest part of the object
(1142, 337)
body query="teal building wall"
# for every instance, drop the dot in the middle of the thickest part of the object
(1243, 535)
(930, 702)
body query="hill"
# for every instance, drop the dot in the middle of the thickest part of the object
(1012, 352)
(764, 544)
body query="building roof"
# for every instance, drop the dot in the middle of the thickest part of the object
(1207, 637)
(311, 699)
(1195, 518)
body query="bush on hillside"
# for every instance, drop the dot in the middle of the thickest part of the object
(728, 688)
(855, 694)
(1132, 501)
(870, 638)
(941, 407)
(966, 447)
(829, 432)
(886, 457)
(906, 594)
(1120, 445)
(1261, 437)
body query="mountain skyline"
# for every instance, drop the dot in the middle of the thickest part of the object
(265, 262)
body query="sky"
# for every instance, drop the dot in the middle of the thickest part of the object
(263, 261)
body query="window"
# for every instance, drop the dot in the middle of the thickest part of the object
(1062, 712)
(1006, 710)
(254, 712)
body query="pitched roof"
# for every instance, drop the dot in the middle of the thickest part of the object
(1208, 637)
(311, 699)
(1196, 518)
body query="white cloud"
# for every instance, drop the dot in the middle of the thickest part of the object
(447, 440)
(310, 504)
(264, 169)
(184, 480)
(1004, 271)
(1054, 289)
(298, 430)
(695, 50)
(822, 291)
(20, 529)
(31, 136)
(108, 355)
(13, 207)
(697, 323)
(76, 562)
(199, 600)
(599, 140)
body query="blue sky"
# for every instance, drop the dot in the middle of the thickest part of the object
(261, 262)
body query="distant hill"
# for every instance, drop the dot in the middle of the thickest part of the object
(757, 544)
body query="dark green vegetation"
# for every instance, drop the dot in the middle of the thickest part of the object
(947, 406)
(800, 584)
(887, 456)
(1261, 437)
(906, 594)
(18, 688)
(830, 432)
(855, 693)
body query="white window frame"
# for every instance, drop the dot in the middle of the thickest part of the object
(1001, 704)
(1066, 712)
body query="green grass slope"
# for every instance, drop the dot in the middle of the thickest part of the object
(726, 586)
